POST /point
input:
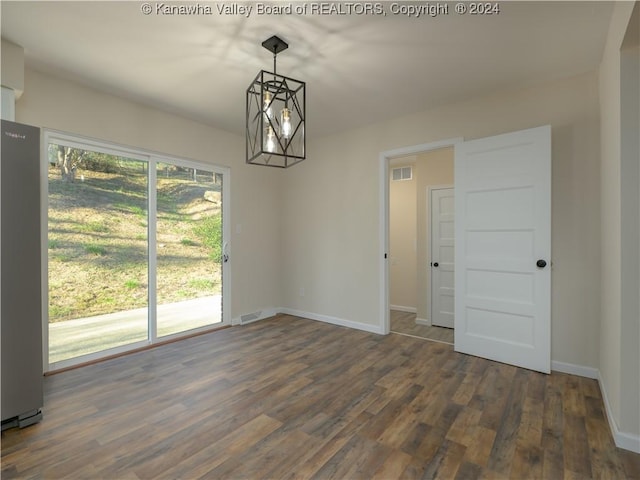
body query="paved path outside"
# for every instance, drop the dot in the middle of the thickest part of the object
(72, 338)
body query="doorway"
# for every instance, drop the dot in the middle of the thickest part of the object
(503, 250)
(411, 262)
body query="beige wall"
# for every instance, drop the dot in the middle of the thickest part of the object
(331, 207)
(12, 67)
(618, 343)
(432, 168)
(630, 237)
(630, 232)
(255, 192)
(402, 239)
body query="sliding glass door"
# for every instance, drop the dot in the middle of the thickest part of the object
(119, 278)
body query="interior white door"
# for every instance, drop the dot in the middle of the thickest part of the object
(503, 248)
(442, 257)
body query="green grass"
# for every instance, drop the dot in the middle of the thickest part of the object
(131, 284)
(57, 311)
(209, 231)
(202, 283)
(61, 257)
(95, 249)
(130, 208)
(96, 227)
(138, 211)
(98, 241)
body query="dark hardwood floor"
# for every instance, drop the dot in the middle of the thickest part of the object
(288, 398)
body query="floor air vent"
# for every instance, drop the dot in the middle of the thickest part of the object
(250, 317)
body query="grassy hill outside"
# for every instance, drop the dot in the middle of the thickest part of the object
(97, 240)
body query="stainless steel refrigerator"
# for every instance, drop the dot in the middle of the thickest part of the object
(21, 312)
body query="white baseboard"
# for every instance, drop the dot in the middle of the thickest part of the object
(423, 321)
(270, 312)
(401, 308)
(628, 441)
(580, 370)
(333, 320)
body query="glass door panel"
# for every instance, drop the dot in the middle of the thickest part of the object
(189, 248)
(97, 252)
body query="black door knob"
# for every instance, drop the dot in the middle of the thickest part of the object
(435, 264)
(541, 264)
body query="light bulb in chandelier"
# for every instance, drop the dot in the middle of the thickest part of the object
(268, 112)
(270, 141)
(285, 123)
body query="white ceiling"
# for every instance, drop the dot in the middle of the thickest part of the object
(359, 69)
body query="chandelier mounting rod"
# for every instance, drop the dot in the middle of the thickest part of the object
(275, 45)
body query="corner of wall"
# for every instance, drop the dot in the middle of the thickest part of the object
(610, 345)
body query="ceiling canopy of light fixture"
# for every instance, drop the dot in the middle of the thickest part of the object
(275, 115)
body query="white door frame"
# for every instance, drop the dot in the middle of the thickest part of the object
(384, 325)
(429, 234)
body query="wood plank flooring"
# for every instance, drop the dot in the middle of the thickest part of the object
(403, 322)
(289, 398)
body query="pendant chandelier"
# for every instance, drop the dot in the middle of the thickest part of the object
(275, 116)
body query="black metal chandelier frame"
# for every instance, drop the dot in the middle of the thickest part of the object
(272, 140)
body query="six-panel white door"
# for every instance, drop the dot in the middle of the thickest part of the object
(503, 248)
(442, 256)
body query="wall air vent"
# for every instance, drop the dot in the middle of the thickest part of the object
(401, 173)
